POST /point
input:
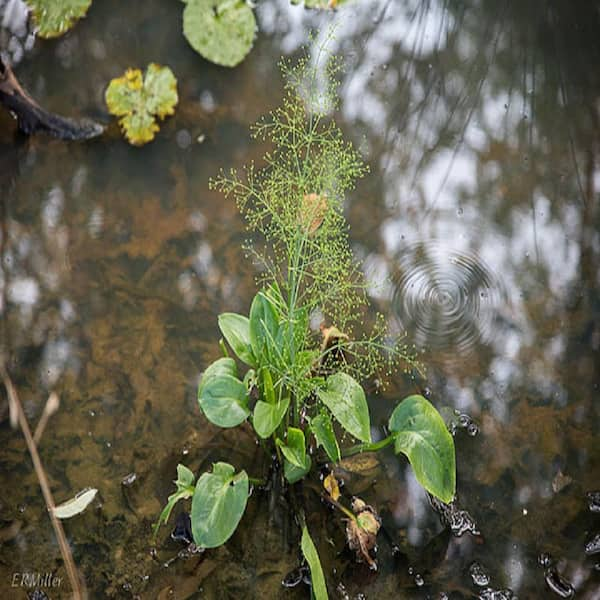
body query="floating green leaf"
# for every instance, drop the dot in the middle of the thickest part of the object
(322, 429)
(222, 366)
(55, 17)
(344, 397)
(423, 437)
(185, 489)
(267, 417)
(319, 588)
(139, 101)
(236, 330)
(224, 401)
(222, 31)
(218, 505)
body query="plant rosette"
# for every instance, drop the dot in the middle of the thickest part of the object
(139, 101)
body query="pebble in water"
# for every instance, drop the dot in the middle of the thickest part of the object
(593, 546)
(490, 594)
(129, 479)
(296, 577)
(472, 429)
(594, 501)
(446, 299)
(545, 560)
(463, 421)
(342, 592)
(478, 575)
(558, 584)
(459, 521)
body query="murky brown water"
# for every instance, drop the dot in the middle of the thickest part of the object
(480, 218)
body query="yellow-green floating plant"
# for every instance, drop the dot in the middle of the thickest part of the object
(139, 101)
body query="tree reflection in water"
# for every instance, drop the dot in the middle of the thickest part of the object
(480, 120)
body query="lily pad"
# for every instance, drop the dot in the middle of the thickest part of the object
(222, 31)
(138, 101)
(55, 17)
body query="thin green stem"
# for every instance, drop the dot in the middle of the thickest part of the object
(339, 506)
(368, 447)
(257, 481)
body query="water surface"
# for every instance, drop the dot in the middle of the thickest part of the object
(479, 224)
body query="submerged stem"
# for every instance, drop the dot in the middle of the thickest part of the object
(339, 506)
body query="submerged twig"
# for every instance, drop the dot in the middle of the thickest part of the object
(31, 117)
(78, 590)
(51, 407)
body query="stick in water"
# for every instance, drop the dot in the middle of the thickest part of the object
(65, 550)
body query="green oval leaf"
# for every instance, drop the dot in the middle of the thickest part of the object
(345, 398)
(236, 330)
(222, 366)
(309, 550)
(138, 101)
(293, 473)
(218, 505)
(221, 31)
(422, 436)
(224, 401)
(263, 326)
(267, 417)
(295, 447)
(322, 429)
(55, 17)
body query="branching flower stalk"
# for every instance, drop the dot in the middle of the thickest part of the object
(294, 209)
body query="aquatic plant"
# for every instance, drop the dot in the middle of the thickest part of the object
(296, 386)
(53, 18)
(222, 31)
(139, 101)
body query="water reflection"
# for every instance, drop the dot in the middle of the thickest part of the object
(480, 220)
(445, 299)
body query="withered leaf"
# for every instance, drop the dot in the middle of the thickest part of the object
(361, 532)
(312, 212)
(330, 484)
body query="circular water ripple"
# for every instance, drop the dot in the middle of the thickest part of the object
(445, 299)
